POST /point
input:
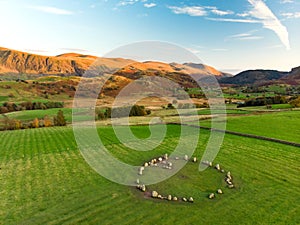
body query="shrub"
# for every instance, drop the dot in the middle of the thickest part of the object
(36, 123)
(295, 103)
(47, 121)
(60, 120)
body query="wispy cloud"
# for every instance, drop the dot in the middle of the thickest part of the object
(244, 14)
(200, 10)
(127, 2)
(286, 1)
(189, 10)
(234, 20)
(244, 36)
(263, 13)
(74, 50)
(52, 10)
(250, 38)
(221, 12)
(149, 5)
(294, 15)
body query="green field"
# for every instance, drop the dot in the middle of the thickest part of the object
(280, 125)
(45, 180)
(40, 114)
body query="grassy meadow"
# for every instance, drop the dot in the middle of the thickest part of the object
(45, 180)
(281, 125)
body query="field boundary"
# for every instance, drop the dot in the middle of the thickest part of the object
(243, 134)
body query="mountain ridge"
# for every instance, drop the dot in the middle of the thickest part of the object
(18, 62)
(263, 76)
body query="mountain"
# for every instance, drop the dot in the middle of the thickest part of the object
(12, 61)
(264, 77)
(293, 78)
(16, 62)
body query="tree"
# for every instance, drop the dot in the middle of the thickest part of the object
(35, 123)
(108, 113)
(47, 121)
(296, 102)
(60, 120)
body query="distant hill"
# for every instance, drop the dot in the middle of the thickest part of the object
(12, 61)
(293, 77)
(16, 62)
(261, 77)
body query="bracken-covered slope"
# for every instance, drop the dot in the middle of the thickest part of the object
(12, 61)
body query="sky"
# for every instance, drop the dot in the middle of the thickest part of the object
(230, 35)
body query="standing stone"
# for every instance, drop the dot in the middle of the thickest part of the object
(137, 181)
(166, 156)
(191, 199)
(184, 199)
(219, 191)
(194, 159)
(218, 167)
(154, 194)
(169, 197)
(186, 158)
(211, 196)
(143, 188)
(175, 198)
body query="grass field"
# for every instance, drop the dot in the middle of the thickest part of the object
(40, 114)
(280, 125)
(44, 180)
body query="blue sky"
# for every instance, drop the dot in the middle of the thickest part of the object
(231, 35)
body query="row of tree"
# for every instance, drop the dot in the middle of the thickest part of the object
(118, 112)
(14, 124)
(12, 107)
(261, 101)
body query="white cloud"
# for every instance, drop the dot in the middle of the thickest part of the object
(263, 13)
(244, 14)
(149, 5)
(286, 1)
(244, 36)
(294, 15)
(200, 10)
(234, 20)
(240, 35)
(52, 10)
(250, 38)
(127, 2)
(189, 10)
(194, 51)
(221, 12)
